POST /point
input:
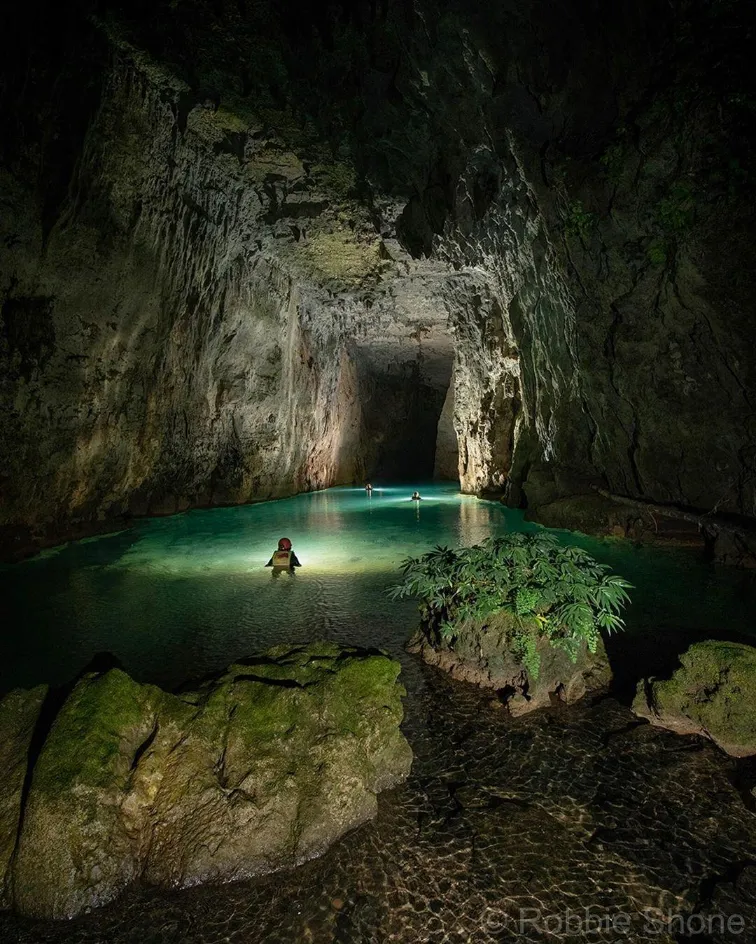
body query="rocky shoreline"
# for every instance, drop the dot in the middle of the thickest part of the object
(582, 803)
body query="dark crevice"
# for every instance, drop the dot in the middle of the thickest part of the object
(277, 683)
(145, 745)
(609, 736)
(51, 705)
(743, 779)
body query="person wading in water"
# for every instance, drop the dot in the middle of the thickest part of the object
(284, 559)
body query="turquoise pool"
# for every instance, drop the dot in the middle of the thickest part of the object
(581, 804)
(176, 598)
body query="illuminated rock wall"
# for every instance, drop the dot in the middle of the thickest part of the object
(165, 347)
(229, 295)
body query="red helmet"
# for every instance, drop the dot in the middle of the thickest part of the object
(284, 544)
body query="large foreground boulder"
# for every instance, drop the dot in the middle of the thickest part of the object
(713, 693)
(259, 769)
(19, 713)
(483, 654)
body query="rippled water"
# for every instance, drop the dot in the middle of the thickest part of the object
(175, 598)
(569, 808)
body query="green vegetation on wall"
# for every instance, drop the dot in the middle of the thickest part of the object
(579, 222)
(340, 257)
(613, 158)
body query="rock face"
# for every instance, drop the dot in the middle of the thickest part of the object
(19, 712)
(249, 272)
(482, 655)
(202, 353)
(713, 694)
(446, 465)
(260, 769)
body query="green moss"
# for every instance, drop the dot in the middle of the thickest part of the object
(282, 696)
(579, 223)
(675, 213)
(86, 743)
(338, 179)
(657, 252)
(340, 257)
(716, 687)
(230, 120)
(349, 685)
(362, 686)
(613, 160)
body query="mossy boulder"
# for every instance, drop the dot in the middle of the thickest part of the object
(19, 713)
(713, 693)
(484, 653)
(259, 769)
(287, 753)
(76, 849)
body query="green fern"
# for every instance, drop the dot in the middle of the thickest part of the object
(557, 593)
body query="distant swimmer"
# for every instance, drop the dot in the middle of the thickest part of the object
(284, 558)
(416, 496)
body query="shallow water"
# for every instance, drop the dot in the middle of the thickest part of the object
(176, 598)
(561, 810)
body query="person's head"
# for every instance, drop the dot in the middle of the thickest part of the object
(284, 544)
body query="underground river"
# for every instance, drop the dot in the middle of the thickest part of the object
(565, 809)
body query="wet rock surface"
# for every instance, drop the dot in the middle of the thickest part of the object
(713, 693)
(482, 655)
(578, 807)
(260, 769)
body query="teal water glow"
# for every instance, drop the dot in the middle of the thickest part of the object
(176, 598)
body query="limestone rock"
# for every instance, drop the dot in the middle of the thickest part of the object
(206, 305)
(482, 655)
(446, 464)
(19, 712)
(259, 769)
(287, 753)
(713, 693)
(75, 850)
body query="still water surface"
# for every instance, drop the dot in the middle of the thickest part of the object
(176, 598)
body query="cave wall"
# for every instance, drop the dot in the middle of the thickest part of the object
(159, 359)
(598, 192)
(197, 323)
(231, 282)
(446, 457)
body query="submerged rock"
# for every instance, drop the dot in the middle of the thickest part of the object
(483, 654)
(19, 712)
(713, 694)
(259, 769)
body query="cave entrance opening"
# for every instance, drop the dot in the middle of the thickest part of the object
(403, 392)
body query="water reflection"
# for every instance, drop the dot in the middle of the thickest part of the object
(556, 810)
(178, 597)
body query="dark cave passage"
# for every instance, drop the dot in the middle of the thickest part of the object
(402, 390)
